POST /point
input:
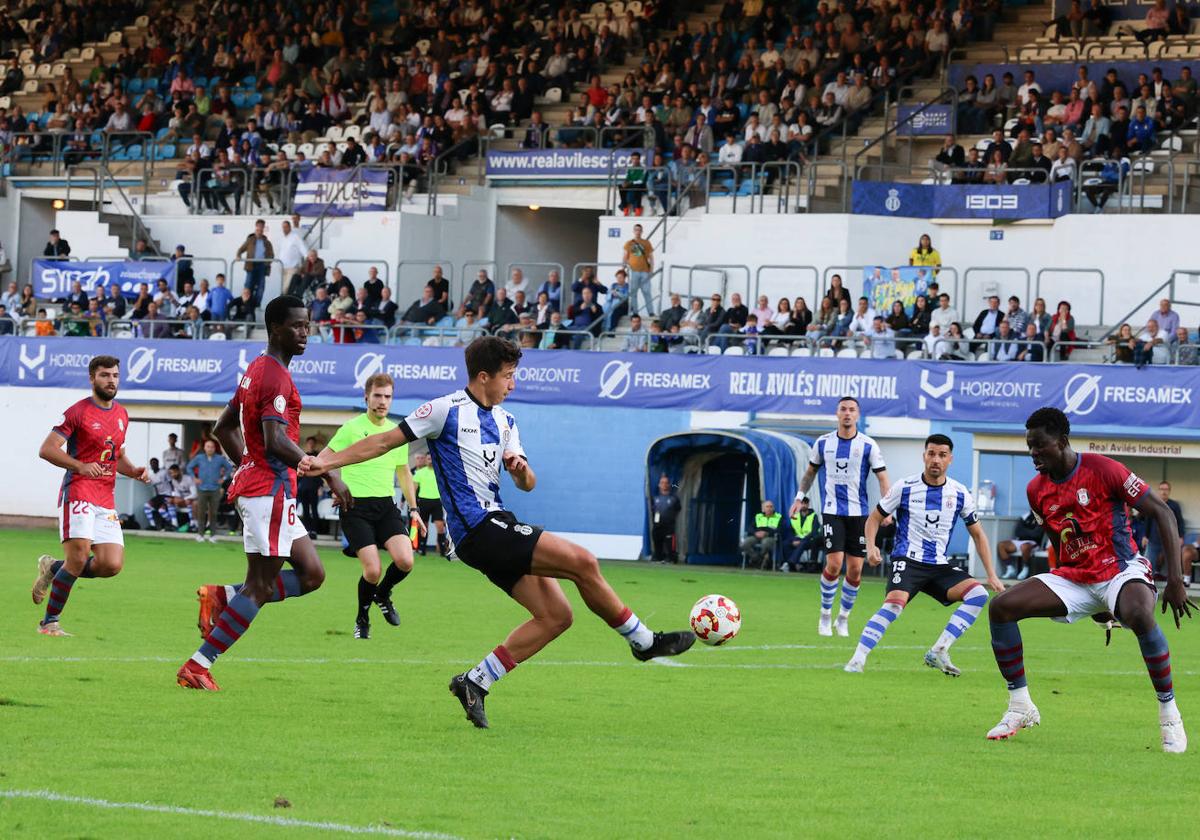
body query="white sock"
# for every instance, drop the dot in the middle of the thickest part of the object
(639, 636)
(201, 660)
(1168, 710)
(491, 668)
(230, 591)
(1018, 698)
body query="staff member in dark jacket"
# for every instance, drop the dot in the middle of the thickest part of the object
(665, 508)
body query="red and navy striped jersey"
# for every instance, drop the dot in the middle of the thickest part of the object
(265, 393)
(94, 435)
(1086, 516)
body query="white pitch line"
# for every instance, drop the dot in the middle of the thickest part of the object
(283, 822)
(557, 663)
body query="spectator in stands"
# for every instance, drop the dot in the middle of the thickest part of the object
(638, 340)
(311, 274)
(953, 347)
(950, 157)
(479, 296)
(438, 284)
(996, 171)
(1095, 137)
(1151, 346)
(1062, 328)
(57, 246)
(758, 547)
(11, 298)
(7, 325)
(154, 323)
(45, 325)
(385, 308)
(616, 302)
(243, 309)
(1140, 134)
(1186, 353)
(638, 257)
(165, 298)
(78, 295)
(1124, 344)
(500, 314)
(633, 186)
(258, 252)
(1016, 317)
(291, 254)
(881, 339)
(587, 280)
(587, 316)
(732, 319)
(1007, 344)
(987, 323)
(1063, 168)
(837, 291)
(1040, 318)
(864, 318)
(1166, 318)
(219, 298)
(552, 289)
(516, 283)
(318, 308)
(1158, 21)
(1040, 164)
(1119, 132)
(925, 254)
(187, 297)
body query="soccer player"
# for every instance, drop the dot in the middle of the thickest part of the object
(429, 502)
(374, 522)
(260, 432)
(927, 507)
(93, 430)
(846, 456)
(470, 438)
(1082, 501)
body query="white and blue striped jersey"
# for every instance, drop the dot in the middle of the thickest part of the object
(925, 517)
(845, 465)
(466, 444)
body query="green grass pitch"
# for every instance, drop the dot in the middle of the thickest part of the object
(764, 738)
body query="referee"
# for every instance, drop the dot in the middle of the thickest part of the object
(375, 522)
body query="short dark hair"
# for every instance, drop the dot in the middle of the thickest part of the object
(939, 440)
(848, 399)
(277, 310)
(1050, 420)
(99, 362)
(488, 354)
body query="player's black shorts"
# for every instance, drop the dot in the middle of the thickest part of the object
(934, 580)
(845, 533)
(372, 521)
(501, 547)
(430, 510)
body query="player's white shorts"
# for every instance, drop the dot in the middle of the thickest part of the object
(270, 524)
(1084, 600)
(1020, 544)
(79, 520)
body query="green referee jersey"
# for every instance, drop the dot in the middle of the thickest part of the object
(426, 483)
(374, 478)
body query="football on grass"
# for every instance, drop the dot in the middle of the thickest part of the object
(716, 619)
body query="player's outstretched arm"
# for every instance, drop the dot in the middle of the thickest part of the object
(126, 468)
(1175, 593)
(871, 531)
(53, 452)
(806, 481)
(522, 474)
(985, 556)
(228, 433)
(356, 453)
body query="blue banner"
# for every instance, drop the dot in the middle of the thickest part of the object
(882, 286)
(933, 120)
(962, 201)
(560, 163)
(52, 279)
(996, 393)
(343, 191)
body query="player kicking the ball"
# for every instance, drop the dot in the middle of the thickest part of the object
(470, 437)
(260, 432)
(926, 507)
(1082, 500)
(94, 431)
(847, 456)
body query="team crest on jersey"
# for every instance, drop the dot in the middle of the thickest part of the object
(1082, 495)
(424, 411)
(280, 403)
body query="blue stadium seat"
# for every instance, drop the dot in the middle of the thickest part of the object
(200, 81)
(135, 86)
(239, 99)
(249, 81)
(162, 132)
(165, 151)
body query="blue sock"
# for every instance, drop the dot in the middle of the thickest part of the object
(1009, 653)
(828, 592)
(876, 627)
(849, 595)
(233, 622)
(1158, 662)
(963, 617)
